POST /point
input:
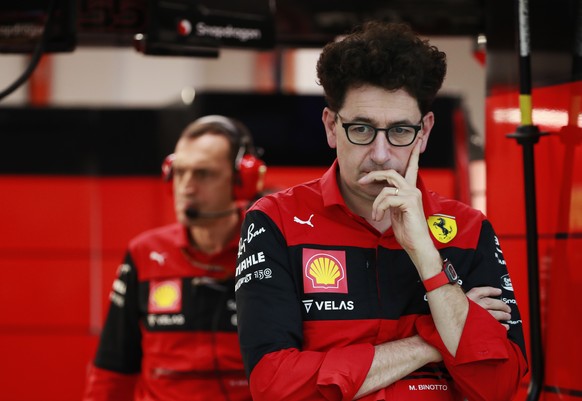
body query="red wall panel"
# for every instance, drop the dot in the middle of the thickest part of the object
(61, 240)
(44, 365)
(558, 168)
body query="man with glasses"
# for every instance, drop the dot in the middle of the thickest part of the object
(364, 284)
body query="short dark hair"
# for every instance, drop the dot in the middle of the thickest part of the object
(238, 135)
(387, 55)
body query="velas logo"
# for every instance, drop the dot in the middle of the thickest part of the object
(324, 271)
(442, 227)
(165, 296)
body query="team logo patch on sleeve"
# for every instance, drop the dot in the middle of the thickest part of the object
(165, 296)
(506, 282)
(324, 271)
(442, 227)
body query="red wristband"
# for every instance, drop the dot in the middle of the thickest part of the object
(447, 276)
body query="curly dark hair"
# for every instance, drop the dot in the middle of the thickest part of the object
(387, 55)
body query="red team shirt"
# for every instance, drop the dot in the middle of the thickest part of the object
(170, 333)
(317, 287)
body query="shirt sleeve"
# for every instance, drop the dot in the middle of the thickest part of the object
(106, 385)
(487, 352)
(119, 354)
(271, 327)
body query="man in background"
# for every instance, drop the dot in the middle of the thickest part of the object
(170, 333)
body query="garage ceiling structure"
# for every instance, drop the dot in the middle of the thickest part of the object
(169, 27)
(313, 22)
(288, 23)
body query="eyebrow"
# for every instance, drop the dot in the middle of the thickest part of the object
(367, 120)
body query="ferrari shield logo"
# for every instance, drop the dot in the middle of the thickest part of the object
(442, 227)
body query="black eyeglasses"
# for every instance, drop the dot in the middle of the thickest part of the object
(398, 135)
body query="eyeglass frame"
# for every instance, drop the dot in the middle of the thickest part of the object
(416, 127)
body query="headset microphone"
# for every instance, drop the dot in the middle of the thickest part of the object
(192, 213)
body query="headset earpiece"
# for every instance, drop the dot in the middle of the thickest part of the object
(167, 169)
(250, 177)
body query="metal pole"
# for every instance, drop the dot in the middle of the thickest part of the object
(527, 135)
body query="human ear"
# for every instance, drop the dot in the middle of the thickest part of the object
(427, 124)
(329, 121)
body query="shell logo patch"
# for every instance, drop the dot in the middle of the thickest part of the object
(165, 296)
(442, 227)
(324, 271)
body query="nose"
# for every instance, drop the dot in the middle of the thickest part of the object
(380, 149)
(187, 183)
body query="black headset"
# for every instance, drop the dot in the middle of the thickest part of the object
(249, 169)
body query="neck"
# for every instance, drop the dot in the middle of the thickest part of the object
(213, 238)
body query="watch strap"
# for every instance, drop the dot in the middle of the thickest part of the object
(436, 281)
(446, 276)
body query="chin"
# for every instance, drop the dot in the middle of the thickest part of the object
(368, 192)
(182, 218)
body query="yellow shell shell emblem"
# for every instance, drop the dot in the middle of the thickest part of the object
(325, 271)
(442, 227)
(165, 295)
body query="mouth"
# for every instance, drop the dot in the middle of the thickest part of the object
(185, 207)
(187, 202)
(375, 168)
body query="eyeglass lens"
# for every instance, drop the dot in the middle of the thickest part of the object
(397, 135)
